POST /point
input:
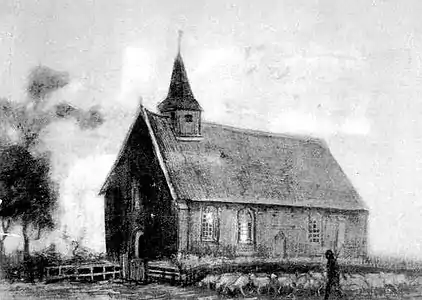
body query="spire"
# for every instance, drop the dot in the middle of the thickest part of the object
(180, 94)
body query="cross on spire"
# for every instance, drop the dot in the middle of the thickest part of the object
(179, 40)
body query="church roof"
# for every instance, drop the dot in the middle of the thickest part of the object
(180, 94)
(245, 166)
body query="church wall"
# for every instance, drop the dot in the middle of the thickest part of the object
(148, 210)
(282, 231)
(188, 128)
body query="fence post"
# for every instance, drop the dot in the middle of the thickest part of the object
(142, 264)
(76, 273)
(146, 270)
(124, 265)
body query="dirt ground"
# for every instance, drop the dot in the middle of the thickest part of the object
(96, 291)
(109, 291)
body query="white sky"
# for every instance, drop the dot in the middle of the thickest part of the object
(347, 71)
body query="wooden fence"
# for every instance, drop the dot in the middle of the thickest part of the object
(133, 269)
(137, 270)
(163, 274)
(176, 276)
(83, 272)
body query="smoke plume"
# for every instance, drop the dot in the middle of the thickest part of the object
(29, 123)
(42, 81)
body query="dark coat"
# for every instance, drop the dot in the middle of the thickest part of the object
(333, 271)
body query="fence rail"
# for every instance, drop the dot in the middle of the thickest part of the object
(174, 275)
(137, 270)
(83, 272)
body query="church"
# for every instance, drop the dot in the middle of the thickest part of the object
(179, 183)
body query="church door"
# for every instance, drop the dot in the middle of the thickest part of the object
(142, 246)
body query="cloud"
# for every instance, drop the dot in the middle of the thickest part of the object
(263, 86)
(138, 73)
(86, 119)
(309, 123)
(219, 58)
(300, 122)
(358, 126)
(43, 80)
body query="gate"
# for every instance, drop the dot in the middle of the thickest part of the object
(137, 270)
(133, 269)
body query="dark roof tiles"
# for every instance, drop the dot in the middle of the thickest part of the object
(235, 165)
(180, 95)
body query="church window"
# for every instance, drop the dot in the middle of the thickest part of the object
(245, 227)
(136, 198)
(209, 224)
(188, 118)
(314, 231)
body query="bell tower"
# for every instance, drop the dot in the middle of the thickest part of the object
(180, 104)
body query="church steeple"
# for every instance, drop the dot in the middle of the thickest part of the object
(180, 95)
(180, 104)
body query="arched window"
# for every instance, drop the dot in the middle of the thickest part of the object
(245, 227)
(209, 224)
(188, 118)
(314, 231)
(136, 198)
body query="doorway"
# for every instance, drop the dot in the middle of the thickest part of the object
(140, 245)
(280, 245)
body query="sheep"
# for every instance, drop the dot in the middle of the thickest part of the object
(259, 282)
(225, 280)
(308, 283)
(286, 284)
(314, 285)
(209, 281)
(240, 284)
(415, 281)
(393, 282)
(318, 276)
(353, 283)
(300, 283)
(394, 279)
(375, 283)
(273, 284)
(301, 280)
(400, 279)
(318, 281)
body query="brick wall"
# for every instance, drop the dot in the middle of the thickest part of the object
(284, 231)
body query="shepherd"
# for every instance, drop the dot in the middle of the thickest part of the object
(333, 275)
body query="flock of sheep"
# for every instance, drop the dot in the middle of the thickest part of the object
(310, 283)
